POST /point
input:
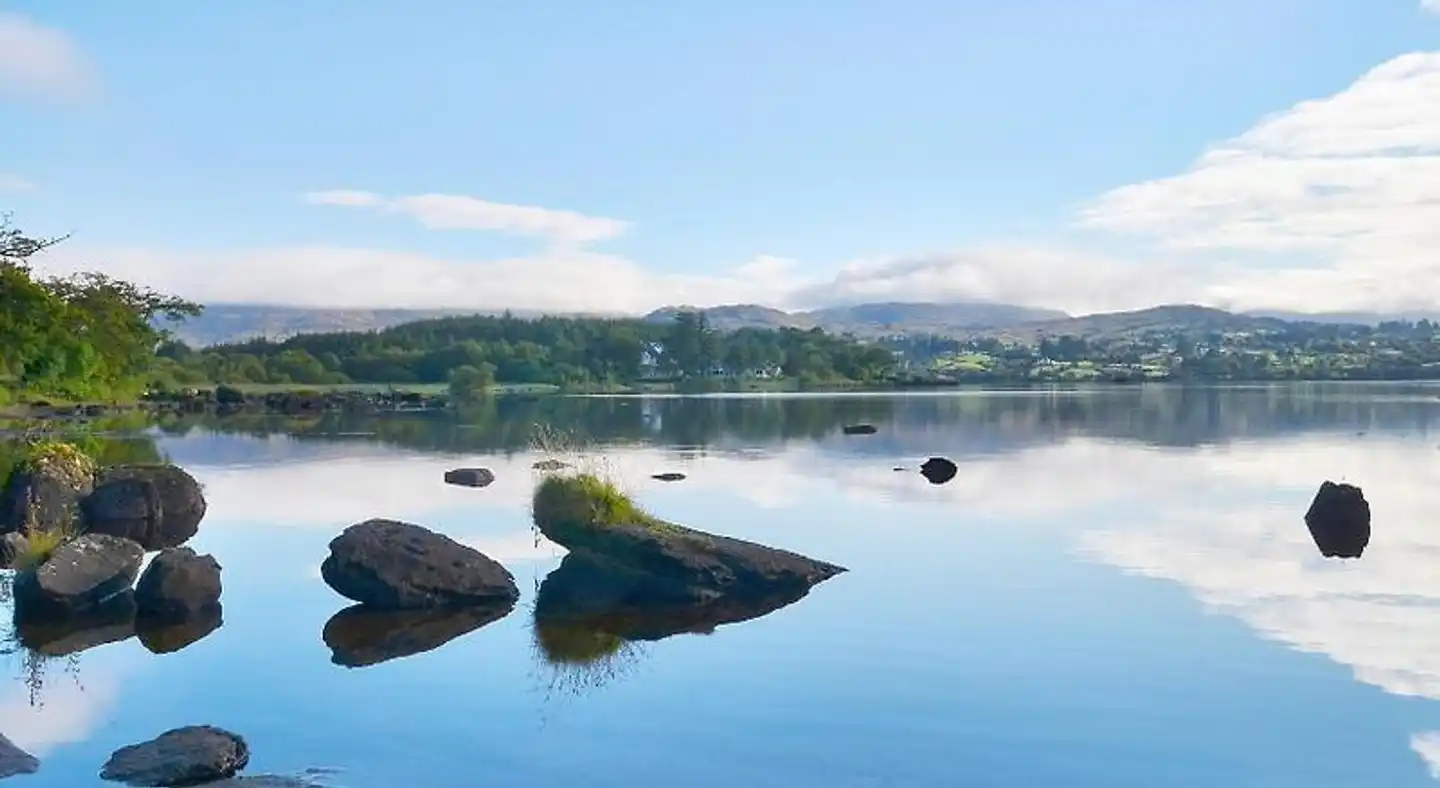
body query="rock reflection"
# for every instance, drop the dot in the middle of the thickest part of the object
(169, 635)
(111, 622)
(359, 636)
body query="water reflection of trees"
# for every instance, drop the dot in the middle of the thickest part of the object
(970, 422)
(34, 669)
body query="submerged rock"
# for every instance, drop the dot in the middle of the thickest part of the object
(178, 583)
(1339, 520)
(80, 574)
(156, 506)
(859, 429)
(660, 562)
(166, 636)
(15, 761)
(359, 636)
(183, 756)
(470, 477)
(394, 565)
(938, 470)
(57, 636)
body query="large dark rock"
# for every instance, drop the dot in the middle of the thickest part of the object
(183, 756)
(360, 636)
(938, 470)
(178, 583)
(166, 636)
(394, 565)
(15, 761)
(80, 574)
(662, 562)
(157, 506)
(113, 621)
(46, 496)
(470, 477)
(1339, 520)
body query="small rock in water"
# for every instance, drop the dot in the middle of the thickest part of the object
(1339, 520)
(549, 465)
(668, 477)
(178, 583)
(183, 756)
(938, 470)
(859, 429)
(14, 761)
(470, 477)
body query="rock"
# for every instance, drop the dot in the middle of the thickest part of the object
(938, 470)
(859, 429)
(394, 565)
(183, 756)
(12, 546)
(586, 608)
(669, 477)
(166, 636)
(1339, 520)
(178, 583)
(57, 636)
(360, 636)
(15, 761)
(45, 496)
(665, 563)
(82, 573)
(470, 477)
(157, 506)
(549, 465)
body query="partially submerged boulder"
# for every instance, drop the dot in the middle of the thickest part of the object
(938, 470)
(1339, 520)
(470, 477)
(15, 761)
(80, 574)
(44, 491)
(394, 565)
(664, 563)
(359, 636)
(183, 756)
(156, 506)
(178, 583)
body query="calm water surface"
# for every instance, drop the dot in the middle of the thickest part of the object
(1117, 590)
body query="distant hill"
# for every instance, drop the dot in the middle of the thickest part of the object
(1356, 318)
(224, 323)
(874, 319)
(1110, 325)
(735, 316)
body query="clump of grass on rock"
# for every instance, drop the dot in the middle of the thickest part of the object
(585, 500)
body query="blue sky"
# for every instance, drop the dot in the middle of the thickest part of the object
(793, 153)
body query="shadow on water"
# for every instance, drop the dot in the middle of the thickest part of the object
(359, 636)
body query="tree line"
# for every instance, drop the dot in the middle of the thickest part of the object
(87, 337)
(560, 351)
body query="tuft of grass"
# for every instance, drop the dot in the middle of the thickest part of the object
(39, 546)
(59, 457)
(587, 501)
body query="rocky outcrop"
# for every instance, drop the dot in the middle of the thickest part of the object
(1339, 520)
(658, 562)
(15, 761)
(113, 621)
(80, 574)
(393, 565)
(938, 470)
(166, 636)
(156, 506)
(177, 584)
(360, 636)
(183, 756)
(470, 477)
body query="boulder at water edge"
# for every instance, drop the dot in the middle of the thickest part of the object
(661, 562)
(81, 574)
(178, 583)
(394, 565)
(470, 477)
(183, 756)
(157, 506)
(44, 493)
(1339, 520)
(14, 760)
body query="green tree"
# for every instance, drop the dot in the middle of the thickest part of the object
(471, 383)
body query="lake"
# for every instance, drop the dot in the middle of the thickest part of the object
(1117, 590)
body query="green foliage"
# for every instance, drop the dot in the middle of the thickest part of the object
(585, 500)
(40, 545)
(86, 337)
(470, 383)
(551, 351)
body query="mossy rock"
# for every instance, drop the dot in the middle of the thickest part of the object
(44, 490)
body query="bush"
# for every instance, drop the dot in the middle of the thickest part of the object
(229, 395)
(584, 500)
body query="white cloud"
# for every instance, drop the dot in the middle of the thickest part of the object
(1433, 6)
(14, 183)
(39, 60)
(459, 212)
(69, 714)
